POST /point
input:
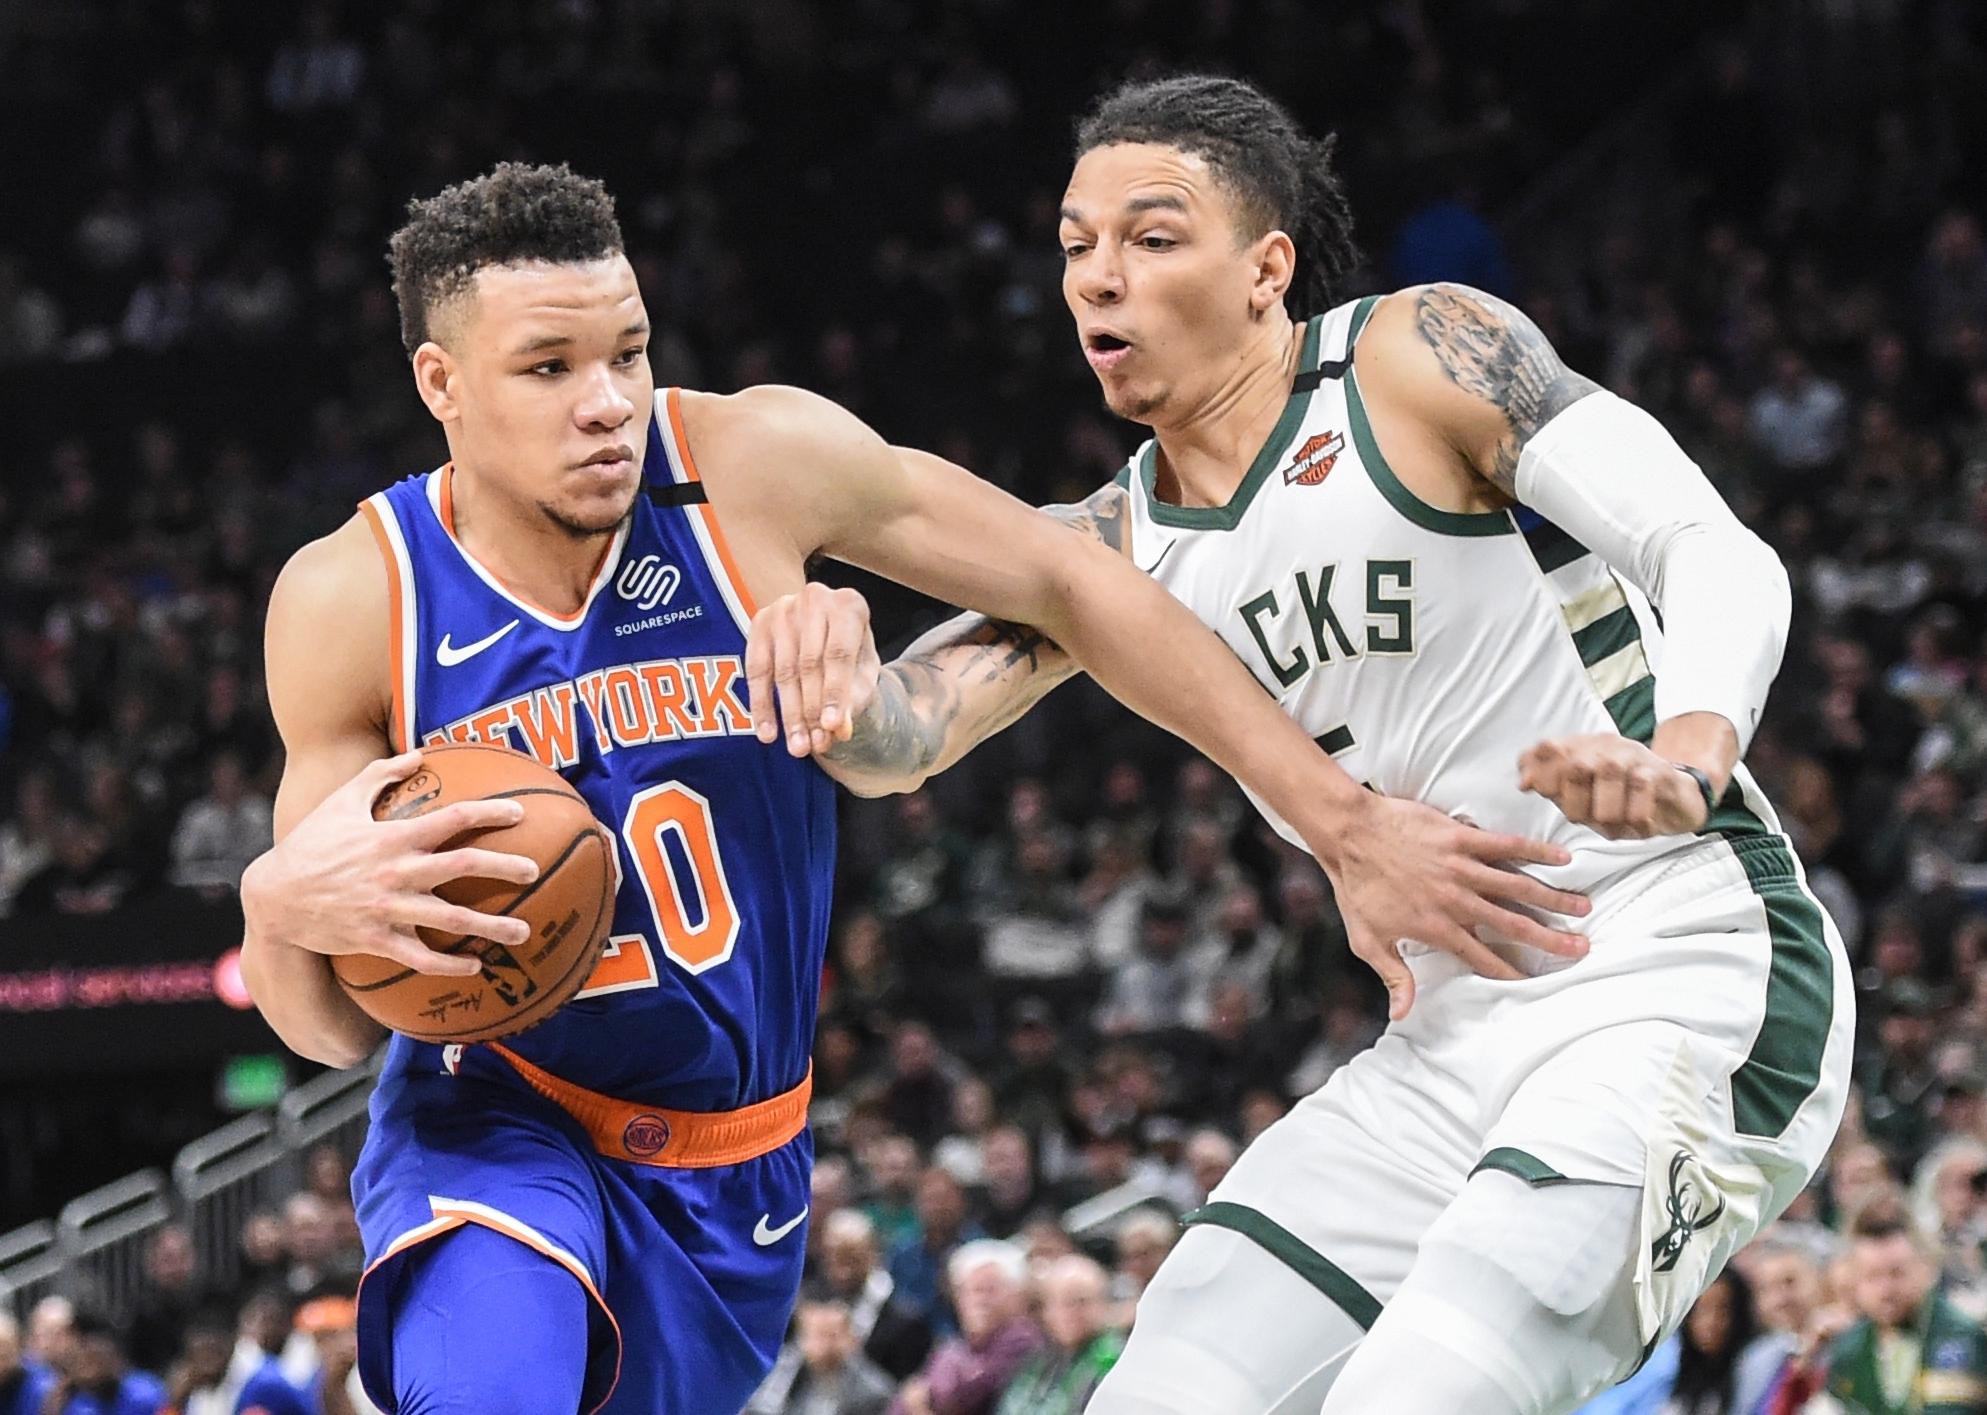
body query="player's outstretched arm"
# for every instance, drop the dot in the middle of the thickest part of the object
(1403, 871)
(337, 881)
(888, 727)
(1486, 380)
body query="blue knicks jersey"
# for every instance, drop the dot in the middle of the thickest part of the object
(706, 997)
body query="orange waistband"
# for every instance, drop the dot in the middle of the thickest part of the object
(672, 1139)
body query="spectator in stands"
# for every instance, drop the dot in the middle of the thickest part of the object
(892, 1164)
(98, 1379)
(262, 1259)
(1082, 1345)
(1210, 1155)
(1141, 1244)
(197, 1381)
(51, 1333)
(1162, 986)
(1910, 1349)
(894, 1333)
(967, 1373)
(222, 832)
(330, 1321)
(831, 1375)
(917, 1099)
(1031, 1082)
(172, 1292)
(1787, 1297)
(24, 1387)
(267, 1338)
(310, 1239)
(919, 1264)
(1010, 1193)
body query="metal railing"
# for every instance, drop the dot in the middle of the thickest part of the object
(94, 1249)
(102, 1236)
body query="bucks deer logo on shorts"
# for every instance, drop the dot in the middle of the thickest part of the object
(1686, 1203)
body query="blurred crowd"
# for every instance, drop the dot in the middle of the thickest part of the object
(1072, 978)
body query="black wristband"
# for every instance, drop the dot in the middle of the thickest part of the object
(1703, 780)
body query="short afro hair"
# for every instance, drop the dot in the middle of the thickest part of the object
(1280, 178)
(513, 213)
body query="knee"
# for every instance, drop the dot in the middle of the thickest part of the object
(486, 1326)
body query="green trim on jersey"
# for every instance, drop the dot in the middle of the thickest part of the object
(1634, 710)
(1361, 312)
(1429, 518)
(1522, 1163)
(1784, 1066)
(1294, 1253)
(1226, 518)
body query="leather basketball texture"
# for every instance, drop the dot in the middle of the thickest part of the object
(570, 906)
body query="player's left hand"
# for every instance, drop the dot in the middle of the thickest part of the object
(1614, 785)
(814, 652)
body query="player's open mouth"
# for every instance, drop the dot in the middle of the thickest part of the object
(1104, 350)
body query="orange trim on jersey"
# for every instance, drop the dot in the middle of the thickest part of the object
(711, 527)
(399, 727)
(447, 498)
(672, 1139)
(449, 1218)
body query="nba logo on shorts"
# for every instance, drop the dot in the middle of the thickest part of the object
(647, 582)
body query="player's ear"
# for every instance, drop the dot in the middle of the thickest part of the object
(1275, 267)
(434, 378)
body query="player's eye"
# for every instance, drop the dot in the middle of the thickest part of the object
(1072, 249)
(1157, 243)
(631, 355)
(551, 368)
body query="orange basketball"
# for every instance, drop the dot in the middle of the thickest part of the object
(570, 906)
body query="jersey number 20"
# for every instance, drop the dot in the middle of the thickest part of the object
(668, 835)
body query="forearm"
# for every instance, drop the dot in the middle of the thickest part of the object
(1608, 474)
(297, 993)
(1148, 651)
(959, 684)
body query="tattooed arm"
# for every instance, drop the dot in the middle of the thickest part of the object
(1512, 380)
(1476, 378)
(961, 682)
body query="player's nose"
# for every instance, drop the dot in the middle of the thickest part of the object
(603, 402)
(1101, 279)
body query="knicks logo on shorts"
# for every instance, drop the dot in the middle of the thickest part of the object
(647, 582)
(646, 1136)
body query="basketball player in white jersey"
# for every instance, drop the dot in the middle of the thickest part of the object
(1487, 585)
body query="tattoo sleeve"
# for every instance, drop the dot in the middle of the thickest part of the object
(1490, 349)
(963, 682)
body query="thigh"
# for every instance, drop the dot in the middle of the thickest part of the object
(704, 1267)
(1228, 1329)
(1298, 1249)
(479, 1324)
(1520, 1303)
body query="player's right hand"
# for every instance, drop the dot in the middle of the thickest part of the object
(1405, 871)
(342, 882)
(812, 657)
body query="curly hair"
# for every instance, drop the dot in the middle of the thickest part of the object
(514, 212)
(1280, 178)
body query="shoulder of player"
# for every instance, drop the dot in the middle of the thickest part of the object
(745, 434)
(1103, 515)
(333, 578)
(329, 622)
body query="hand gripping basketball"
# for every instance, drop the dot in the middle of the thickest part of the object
(342, 882)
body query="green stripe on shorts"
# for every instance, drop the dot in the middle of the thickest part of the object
(1784, 1067)
(1294, 1253)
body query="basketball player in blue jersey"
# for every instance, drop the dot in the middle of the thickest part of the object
(608, 1210)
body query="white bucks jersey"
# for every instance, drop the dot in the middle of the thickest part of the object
(1424, 649)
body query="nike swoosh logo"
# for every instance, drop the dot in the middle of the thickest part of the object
(766, 1237)
(448, 655)
(1153, 568)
